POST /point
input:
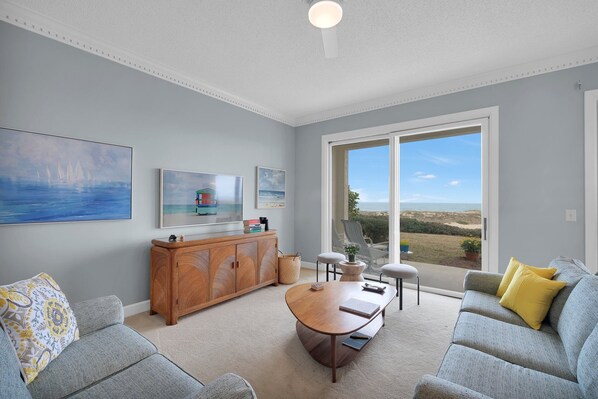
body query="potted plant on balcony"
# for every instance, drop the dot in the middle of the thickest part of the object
(472, 248)
(351, 250)
(404, 245)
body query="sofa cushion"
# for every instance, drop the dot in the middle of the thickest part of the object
(530, 296)
(499, 379)
(90, 359)
(487, 305)
(153, 377)
(587, 372)
(579, 318)
(538, 350)
(11, 383)
(39, 321)
(571, 271)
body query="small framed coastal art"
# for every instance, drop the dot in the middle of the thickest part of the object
(193, 198)
(271, 188)
(48, 179)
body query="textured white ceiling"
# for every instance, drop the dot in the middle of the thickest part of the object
(265, 52)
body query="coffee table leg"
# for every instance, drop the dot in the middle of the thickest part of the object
(333, 356)
(383, 317)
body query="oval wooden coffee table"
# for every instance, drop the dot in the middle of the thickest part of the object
(322, 326)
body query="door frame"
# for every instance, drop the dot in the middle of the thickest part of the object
(591, 179)
(490, 147)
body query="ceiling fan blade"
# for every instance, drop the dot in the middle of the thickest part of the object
(330, 42)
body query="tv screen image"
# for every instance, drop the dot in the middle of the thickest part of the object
(192, 198)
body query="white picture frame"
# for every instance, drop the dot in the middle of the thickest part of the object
(270, 188)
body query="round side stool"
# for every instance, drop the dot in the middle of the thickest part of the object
(330, 258)
(399, 271)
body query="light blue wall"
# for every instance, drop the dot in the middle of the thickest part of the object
(540, 163)
(52, 88)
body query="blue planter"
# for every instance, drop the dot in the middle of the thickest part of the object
(404, 248)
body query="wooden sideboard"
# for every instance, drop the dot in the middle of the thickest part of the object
(207, 269)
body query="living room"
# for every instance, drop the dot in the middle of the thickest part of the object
(50, 84)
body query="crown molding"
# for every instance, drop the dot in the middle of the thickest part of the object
(30, 20)
(565, 61)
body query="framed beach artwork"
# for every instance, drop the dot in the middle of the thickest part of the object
(271, 188)
(193, 198)
(46, 179)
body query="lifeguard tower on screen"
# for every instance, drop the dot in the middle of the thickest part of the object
(206, 202)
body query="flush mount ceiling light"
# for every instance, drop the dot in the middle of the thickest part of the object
(325, 14)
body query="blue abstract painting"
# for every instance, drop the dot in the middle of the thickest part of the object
(47, 178)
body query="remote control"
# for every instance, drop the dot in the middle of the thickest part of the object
(358, 335)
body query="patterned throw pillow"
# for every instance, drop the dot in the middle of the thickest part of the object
(39, 321)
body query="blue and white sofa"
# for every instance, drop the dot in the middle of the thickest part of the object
(110, 360)
(495, 354)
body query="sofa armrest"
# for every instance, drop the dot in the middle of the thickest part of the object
(430, 387)
(482, 281)
(227, 386)
(95, 314)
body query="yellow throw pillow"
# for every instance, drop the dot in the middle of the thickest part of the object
(530, 296)
(37, 317)
(514, 264)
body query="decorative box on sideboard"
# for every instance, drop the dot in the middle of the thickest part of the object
(207, 269)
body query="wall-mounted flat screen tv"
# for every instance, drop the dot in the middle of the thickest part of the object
(192, 198)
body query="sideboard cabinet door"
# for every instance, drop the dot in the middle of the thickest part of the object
(193, 269)
(246, 265)
(222, 271)
(268, 260)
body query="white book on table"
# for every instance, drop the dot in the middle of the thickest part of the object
(359, 307)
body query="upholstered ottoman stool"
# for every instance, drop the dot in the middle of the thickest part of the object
(399, 271)
(330, 258)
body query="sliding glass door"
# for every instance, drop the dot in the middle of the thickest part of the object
(360, 201)
(440, 204)
(425, 196)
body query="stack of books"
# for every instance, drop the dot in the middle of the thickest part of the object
(252, 226)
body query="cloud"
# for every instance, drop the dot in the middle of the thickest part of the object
(438, 160)
(455, 183)
(424, 176)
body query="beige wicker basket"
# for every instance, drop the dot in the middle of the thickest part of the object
(289, 267)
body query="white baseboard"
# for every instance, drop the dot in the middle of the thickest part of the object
(136, 308)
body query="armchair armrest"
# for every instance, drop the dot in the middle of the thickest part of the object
(227, 386)
(430, 387)
(95, 314)
(482, 281)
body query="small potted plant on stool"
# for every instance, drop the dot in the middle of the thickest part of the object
(472, 248)
(351, 250)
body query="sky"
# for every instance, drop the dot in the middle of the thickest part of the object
(444, 170)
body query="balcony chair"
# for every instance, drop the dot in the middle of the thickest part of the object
(369, 252)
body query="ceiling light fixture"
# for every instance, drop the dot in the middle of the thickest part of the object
(325, 14)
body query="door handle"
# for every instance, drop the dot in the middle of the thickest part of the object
(485, 228)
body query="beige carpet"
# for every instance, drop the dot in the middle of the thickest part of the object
(254, 336)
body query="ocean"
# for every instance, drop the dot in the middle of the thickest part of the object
(33, 202)
(420, 206)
